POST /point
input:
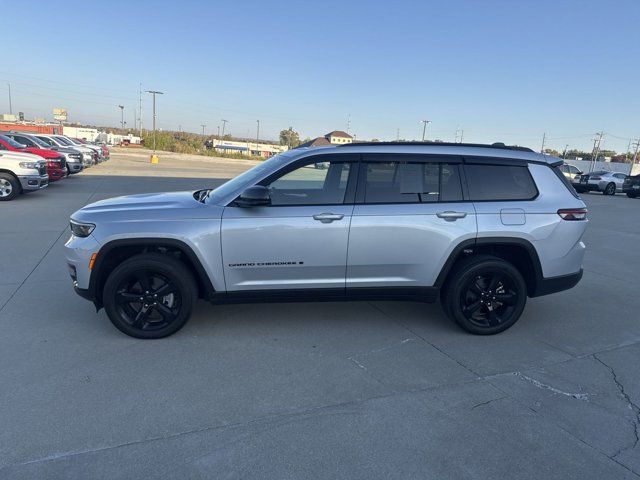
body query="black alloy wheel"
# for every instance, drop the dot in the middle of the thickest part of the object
(150, 295)
(489, 299)
(484, 294)
(147, 300)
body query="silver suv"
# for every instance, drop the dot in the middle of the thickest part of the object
(482, 227)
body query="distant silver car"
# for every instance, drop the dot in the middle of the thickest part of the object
(482, 227)
(609, 183)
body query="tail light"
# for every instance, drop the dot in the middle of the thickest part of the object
(573, 214)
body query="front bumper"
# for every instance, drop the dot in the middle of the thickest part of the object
(56, 174)
(74, 167)
(33, 182)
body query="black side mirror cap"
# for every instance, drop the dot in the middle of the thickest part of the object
(254, 197)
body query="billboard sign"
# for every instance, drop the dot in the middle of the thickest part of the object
(60, 114)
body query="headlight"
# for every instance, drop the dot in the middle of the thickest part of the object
(81, 229)
(29, 165)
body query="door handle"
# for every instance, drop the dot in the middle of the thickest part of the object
(450, 216)
(328, 217)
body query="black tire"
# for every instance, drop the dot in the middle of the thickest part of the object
(10, 187)
(610, 189)
(474, 291)
(150, 295)
(631, 195)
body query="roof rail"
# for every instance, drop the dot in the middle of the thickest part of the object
(441, 144)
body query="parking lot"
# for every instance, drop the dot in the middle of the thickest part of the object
(310, 390)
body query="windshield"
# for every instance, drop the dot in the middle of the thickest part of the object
(249, 177)
(12, 142)
(39, 142)
(47, 141)
(63, 140)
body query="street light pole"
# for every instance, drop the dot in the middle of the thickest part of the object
(224, 124)
(154, 93)
(10, 106)
(424, 127)
(121, 107)
(202, 125)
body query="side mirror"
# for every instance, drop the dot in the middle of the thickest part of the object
(255, 196)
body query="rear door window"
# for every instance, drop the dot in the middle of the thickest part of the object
(499, 182)
(411, 182)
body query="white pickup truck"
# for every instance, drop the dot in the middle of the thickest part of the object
(21, 172)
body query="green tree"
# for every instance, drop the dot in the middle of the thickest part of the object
(290, 138)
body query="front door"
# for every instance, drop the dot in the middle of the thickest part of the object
(410, 214)
(300, 240)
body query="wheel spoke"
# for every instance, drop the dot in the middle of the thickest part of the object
(506, 298)
(126, 297)
(469, 310)
(493, 283)
(166, 289)
(476, 289)
(141, 318)
(493, 318)
(165, 311)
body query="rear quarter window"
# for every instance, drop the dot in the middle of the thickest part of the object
(500, 182)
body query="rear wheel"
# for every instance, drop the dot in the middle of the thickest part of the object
(610, 189)
(9, 187)
(485, 295)
(631, 195)
(150, 296)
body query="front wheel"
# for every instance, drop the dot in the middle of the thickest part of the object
(150, 296)
(485, 295)
(9, 187)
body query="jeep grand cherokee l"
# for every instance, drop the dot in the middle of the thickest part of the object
(482, 227)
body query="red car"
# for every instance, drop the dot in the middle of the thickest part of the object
(56, 164)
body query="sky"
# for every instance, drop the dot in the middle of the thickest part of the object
(506, 71)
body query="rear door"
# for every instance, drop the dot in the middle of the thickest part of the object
(410, 214)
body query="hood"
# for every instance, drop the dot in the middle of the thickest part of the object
(21, 156)
(147, 207)
(43, 152)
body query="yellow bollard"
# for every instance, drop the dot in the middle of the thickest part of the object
(154, 158)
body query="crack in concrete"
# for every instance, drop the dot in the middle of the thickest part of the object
(481, 404)
(538, 384)
(630, 404)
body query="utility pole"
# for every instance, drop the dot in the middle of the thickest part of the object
(135, 119)
(564, 154)
(626, 154)
(140, 118)
(349, 123)
(635, 154)
(154, 93)
(461, 135)
(257, 133)
(10, 106)
(424, 127)
(596, 150)
(544, 138)
(224, 124)
(121, 107)
(202, 125)
(218, 132)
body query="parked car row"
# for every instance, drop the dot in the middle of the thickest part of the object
(29, 161)
(609, 183)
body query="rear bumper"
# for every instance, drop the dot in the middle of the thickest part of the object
(586, 187)
(546, 286)
(33, 182)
